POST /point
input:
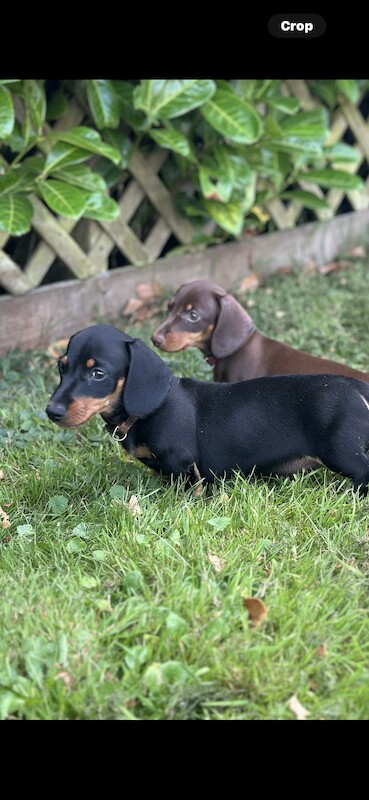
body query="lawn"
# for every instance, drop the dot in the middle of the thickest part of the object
(123, 596)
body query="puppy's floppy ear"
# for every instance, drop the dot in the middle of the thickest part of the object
(148, 381)
(232, 329)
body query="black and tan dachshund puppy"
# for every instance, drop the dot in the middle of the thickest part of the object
(200, 429)
(203, 315)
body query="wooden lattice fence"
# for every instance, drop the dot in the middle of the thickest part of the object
(85, 247)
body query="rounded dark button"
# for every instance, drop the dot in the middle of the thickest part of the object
(297, 26)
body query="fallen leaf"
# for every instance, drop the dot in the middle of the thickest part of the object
(332, 266)
(5, 518)
(249, 283)
(216, 562)
(134, 506)
(145, 312)
(147, 291)
(321, 651)
(356, 252)
(297, 708)
(1, 474)
(66, 677)
(57, 348)
(310, 266)
(258, 611)
(132, 306)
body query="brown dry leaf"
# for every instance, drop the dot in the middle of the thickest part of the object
(143, 313)
(5, 518)
(322, 651)
(132, 306)
(285, 269)
(310, 266)
(1, 474)
(66, 677)
(297, 708)
(356, 252)
(147, 291)
(258, 611)
(57, 348)
(134, 506)
(249, 283)
(332, 266)
(216, 562)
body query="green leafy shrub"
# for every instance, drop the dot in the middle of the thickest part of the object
(234, 146)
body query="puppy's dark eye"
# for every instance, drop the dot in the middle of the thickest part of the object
(98, 374)
(193, 315)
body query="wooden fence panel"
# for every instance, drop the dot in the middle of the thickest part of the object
(85, 246)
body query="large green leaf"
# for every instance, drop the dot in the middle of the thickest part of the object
(341, 152)
(15, 214)
(100, 206)
(307, 124)
(288, 105)
(88, 139)
(307, 199)
(104, 103)
(216, 175)
(21, 176)
(122, 143)
(230, 217)
(172, 139)
(35, 103)
(57, 105)
(219, 189)
(124, 93)
(62, 155)
(233, 117)
(293, 145)
(165, 99)
(326, 91)
(241, 169)
(332, 178)
(82, 176)
(16, 140)
(11, 181)
(69, 201)
(350, 88)
(6, 113)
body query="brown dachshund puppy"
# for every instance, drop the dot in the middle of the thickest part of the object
(200, 429)
(203, 315)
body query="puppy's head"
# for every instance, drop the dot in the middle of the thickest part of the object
(105, 371)
(203, 315)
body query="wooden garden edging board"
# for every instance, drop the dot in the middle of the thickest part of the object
(60, 309)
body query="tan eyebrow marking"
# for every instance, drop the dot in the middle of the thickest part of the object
(188, 307)
(64, 360)
(90, 362)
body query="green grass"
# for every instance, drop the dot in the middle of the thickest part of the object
(107, 614)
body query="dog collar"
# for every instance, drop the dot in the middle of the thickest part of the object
(123, 427)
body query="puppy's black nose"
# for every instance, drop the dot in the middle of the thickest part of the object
(157, 338)
(56, 411)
